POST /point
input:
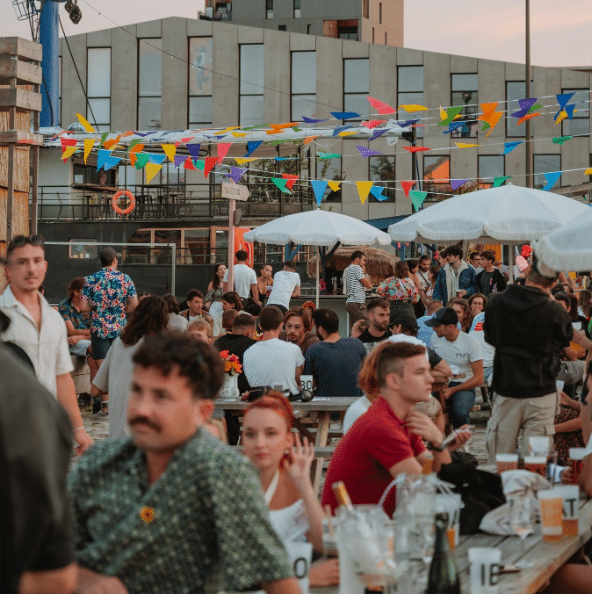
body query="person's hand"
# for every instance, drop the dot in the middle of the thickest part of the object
(300, 459)
(91, 582)
(423, 426)
(463, 435)
(84, 441)
(446, 393)
(72, 340)
(323, 574)
(357, 329)
(565, 476)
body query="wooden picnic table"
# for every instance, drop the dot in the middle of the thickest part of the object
(546, 557)
(323, 407)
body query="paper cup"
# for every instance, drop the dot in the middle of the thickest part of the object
(536, 464)
(485, 564)
(300, 556)
(306, 382)
(506, 462)
(551, 514)
(540, 445)
(570, 495)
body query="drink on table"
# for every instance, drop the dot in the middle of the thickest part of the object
(576, 456)
(571, 497)
(506, 462)
(536, 464)
(551, 503)
(443, 575)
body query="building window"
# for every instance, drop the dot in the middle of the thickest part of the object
(515, 91)
(149, 83)
(490, 166)
(581, 117)
(372, 34)
(366, 8)
(356, 85)
(308, 29)
(281, 27)
(464, 92)
(410, 90)
(436, 175)
(347, 32)
(382, 170)
(297, 9)
(330, 169)
(544, 164)
(380, 13)
(304, 84)
(252, 78)
(268, 9)
(200, 81)
(98, 88)
(385, 38)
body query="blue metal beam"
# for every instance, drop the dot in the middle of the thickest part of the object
(50, 89)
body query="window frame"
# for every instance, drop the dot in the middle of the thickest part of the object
(192, 123)
(487, 184)
(565, 124)
(354, 93)
(534, 174)
(417, 96)
(306, 95)
(241, 81)
(98, 125)
(390, 189)
(435, 187)
(146, 40)
(469, 115)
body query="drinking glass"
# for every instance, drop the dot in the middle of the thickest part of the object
(522, 517)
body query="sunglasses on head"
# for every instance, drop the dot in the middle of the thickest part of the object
(22, 240)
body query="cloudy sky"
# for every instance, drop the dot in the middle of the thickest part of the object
(561, 32)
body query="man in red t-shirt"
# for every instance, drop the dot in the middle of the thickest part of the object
(387, 439)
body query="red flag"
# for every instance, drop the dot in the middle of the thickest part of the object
(210, 164)
(383, 108)
(291, 180)
(416, 149)
(407, 185)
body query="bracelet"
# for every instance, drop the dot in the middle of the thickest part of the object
(78, 429)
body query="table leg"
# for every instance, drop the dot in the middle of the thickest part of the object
(321, 441)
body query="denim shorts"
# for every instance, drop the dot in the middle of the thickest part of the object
(100, 346)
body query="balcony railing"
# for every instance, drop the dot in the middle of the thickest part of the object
(169, 202)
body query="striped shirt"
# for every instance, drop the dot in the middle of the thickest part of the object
(355, 291)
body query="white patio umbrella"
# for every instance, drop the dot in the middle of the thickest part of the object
(508, 214)
(320, 228)
(570, 247)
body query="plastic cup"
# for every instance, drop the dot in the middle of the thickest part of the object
(539, 445)
(551, 503)
(451, 504)
(485, 565)
(536, 464)
(571, 496)
(306, 382)
(300, 556)
(576, 455)
(506, 462)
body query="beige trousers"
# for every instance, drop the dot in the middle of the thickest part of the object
(356, 311)
(534, 416)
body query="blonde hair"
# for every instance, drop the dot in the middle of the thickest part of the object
(200, 325)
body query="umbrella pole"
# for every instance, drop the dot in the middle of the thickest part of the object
(318, 288)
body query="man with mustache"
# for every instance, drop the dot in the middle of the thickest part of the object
(39, 329)
(173, 510)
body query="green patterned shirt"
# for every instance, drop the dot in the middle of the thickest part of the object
(204, 517)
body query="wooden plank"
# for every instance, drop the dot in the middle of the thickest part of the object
(24, 72)
(22, 120)
(21, 173)
(21, 98)
(20, 137)
(25, 49)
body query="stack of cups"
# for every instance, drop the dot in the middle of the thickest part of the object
(576, 455)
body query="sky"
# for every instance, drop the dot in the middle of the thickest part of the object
(561, 32)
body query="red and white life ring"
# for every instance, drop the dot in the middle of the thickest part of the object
(115, 203)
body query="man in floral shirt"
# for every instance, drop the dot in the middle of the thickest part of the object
(108, 295)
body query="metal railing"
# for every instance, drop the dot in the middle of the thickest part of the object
(157, 202)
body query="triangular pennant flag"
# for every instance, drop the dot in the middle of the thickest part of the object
(156, 159)
(311, 120)
(281, 184)
(463, 145)
(451, 113)
(236, 173)
(345, 115)
(348, 133)
(561, 139)
(377, 191)
(490, 116)
(87, 127)
(407, 123)
(180, 159)
(193, 150)
(243, 160)
(110, 144)
(372, 123)
(103, 138)
(417, 198)
(200, 164)
(381, 107)
(416, 149)
(151, 170)
(170, 150)
(239, 134)
(210, 163)
(510, 146)
(335, 185)
(66, 142)
(321, 155)
(570, 110)
(141, 160)
(189, 164)
(563, 99)
(135, 146)
(455, 184)
(291, 180)
(88, 146)
(528, 116)
(453, 126)
(588, 171)
(560, 116)
(223, 149)
(366, 152)
(378, 133)
(105, 160)
(340, 129)
(413, 107)
(498, 181)
(525, 107)
(252, 147)
(364, 188)
(318, 187)
(407, 185)
(551, 178)
(310, 139)
(68, 152)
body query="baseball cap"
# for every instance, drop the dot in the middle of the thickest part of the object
(407, 321)
(108, 254)
(445, 315)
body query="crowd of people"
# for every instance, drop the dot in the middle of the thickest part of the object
(164, 505)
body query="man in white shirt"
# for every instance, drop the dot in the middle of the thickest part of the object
(273, 362)
(38, 328)
(463, 352)
(245, 279)
(286, 284)
(355, 284)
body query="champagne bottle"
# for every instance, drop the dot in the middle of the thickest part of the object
(342, 496)
(443, 577)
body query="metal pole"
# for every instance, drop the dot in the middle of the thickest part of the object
(174, 268)
(527, 78)
(318, 287)
(48, 37)
(231, 209)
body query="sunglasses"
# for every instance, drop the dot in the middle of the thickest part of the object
(22, 240)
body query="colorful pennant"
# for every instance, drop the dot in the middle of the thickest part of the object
(189, 164)
(510, 146)
(339, 129)
(378, 133)
(223, 148)
(525, 107)
(87, 127)
(104, 159)
(417, 198)
(345, 115)
(193, 150)
(318, 187)
(463, 145)
(381, 107)
(180, 160)
(291, 180)
(407, 123)
(377, 192)
(335, 185)
(407, 185)
(367, 152)
(455, 184)
(498, 181)
(210, 163)
(236, 174)
(311, 120)
(141, 160)
(244, 160)
(490, 117)
(88, 146)
(412, 107)
(364, 188)
(157, 159)
(416, 149)
(281, 184)
(373, 123)
(151, 170)
(310, 139)
(68, 152)
(561, 139)
(252, 146)
(451, 113)
(551, 178)
(200, 164)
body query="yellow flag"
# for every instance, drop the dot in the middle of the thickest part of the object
(239, 134)
(85, 124)
(68, 152)
(151, 170)
(243, 160)
(413, 107)
(88, 145)
(335, 185)
(588, 171)
(443, 114)
(465, 145)
(170, 150)
(348, 133)
(227, 130)
(364, 188)
(561, 117)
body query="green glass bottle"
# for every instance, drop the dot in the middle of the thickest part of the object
(443, 577)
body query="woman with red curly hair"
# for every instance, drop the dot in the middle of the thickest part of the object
(283, 464)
